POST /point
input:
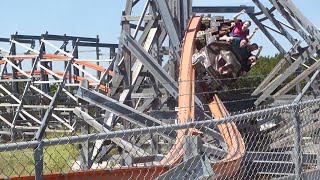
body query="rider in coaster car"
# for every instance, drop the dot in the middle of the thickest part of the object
(232, 64)
(243, 49)
(250, 62)
(241, 29)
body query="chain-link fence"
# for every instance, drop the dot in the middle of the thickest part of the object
(280, 142)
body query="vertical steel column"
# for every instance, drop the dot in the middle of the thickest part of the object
(297, 142)
(112, 53)
(85, 157)
(170, 26)
(185, 13)
(98, 112)
(70, 73)
(112, 56)
(98, 56)
(38, 162)
(33, 59)
(76, 56)
(42, 86)
(318, 159)
(126, 55)
(192, 146)
(4, 67)
(137, 64)
(122, 58)
(43, 76)
(15, 85)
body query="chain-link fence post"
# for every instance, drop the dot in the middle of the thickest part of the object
(85, 155)
(38, 162)
(318, 159)
(192, 146)
(297, 142)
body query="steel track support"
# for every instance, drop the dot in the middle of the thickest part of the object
(27, 86)
(170, 26)
(119, 109)
(294, 66)
(46, 117)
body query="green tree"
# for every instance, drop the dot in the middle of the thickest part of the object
(258, 72)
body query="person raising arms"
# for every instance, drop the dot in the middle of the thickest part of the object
(241, 29)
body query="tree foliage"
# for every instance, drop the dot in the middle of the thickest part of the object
(258, 73)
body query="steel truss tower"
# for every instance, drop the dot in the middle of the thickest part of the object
(48, 85)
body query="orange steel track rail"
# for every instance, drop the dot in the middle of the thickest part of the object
(60, 73)
(230, 165)
(186, 85)
(114, 174)
(225, 168)
(55, 57)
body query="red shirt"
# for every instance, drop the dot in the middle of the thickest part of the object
(237, 30)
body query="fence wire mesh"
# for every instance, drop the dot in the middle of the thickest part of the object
(280, 142)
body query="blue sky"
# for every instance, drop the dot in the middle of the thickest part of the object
(101, 17)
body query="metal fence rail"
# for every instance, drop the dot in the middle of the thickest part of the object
(273, 150)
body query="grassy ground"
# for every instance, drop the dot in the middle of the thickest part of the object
(21, 163)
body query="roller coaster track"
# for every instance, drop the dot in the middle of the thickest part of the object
(60, 73)
(229, 131)
(224, 168)
(54, 57)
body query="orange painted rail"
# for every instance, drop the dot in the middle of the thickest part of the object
(60, 73)
(55, 57)
(186, 85)
(114, 174)
(230, 165)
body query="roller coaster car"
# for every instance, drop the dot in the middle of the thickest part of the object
(217, 64)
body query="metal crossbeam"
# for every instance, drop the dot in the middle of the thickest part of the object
(129, 147)
(275, 22)
(150, 63)
(170, 27)
(46, 117)
(298, 15)
(266, 32)
(119, 109)
(222, 9)
(293, 23)
(311, 173)
(306, 55)
(19, 108)
(276, 69)
(313, 68)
